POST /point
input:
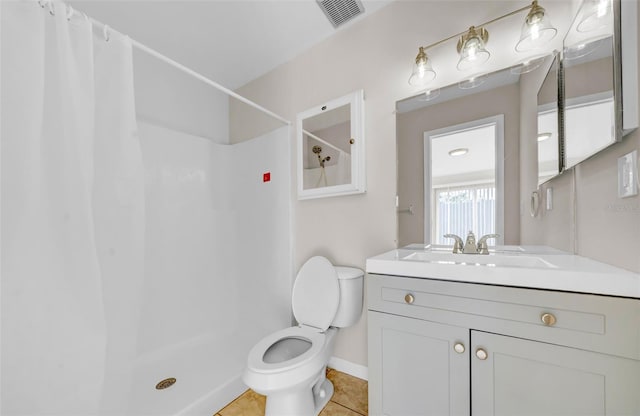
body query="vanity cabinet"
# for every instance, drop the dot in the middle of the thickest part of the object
(450, 348)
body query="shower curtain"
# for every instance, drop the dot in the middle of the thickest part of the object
(72, 214)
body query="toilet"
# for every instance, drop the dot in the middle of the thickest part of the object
(289, 366)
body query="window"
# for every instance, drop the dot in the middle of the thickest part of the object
(461, 209)
(463, 180)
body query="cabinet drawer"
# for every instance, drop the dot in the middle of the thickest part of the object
(598, 323)
(524, 313)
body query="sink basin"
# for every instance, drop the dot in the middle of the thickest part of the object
(490, 260)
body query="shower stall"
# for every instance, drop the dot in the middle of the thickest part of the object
(140, 259)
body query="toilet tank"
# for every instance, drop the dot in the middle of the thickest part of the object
(351, 283)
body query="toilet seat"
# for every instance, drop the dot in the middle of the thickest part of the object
(256, 362)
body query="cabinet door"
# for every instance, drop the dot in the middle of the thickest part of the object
(523, 377)
(414, 368)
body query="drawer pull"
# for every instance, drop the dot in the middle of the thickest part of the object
(481, 354)
(548, 319)
(409, 298)
(458, 347)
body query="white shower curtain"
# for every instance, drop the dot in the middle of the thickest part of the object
(72, 215)
(343, 169)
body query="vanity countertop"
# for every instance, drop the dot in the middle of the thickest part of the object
(533, 267)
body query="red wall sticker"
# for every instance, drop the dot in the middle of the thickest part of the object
(266, 177)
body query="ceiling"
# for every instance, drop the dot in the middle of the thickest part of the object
(230, 41)
(480, 143)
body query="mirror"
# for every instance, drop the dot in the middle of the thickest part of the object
(549, 151)
(508, 86)
(330, 140)
(591, 78)
(478, 187)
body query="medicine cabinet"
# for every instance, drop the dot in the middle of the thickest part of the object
(331, 148)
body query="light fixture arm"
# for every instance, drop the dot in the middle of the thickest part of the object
(536, 31)
(481, 26)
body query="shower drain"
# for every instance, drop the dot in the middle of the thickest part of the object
(166, 383)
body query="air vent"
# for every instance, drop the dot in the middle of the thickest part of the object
(340, 11)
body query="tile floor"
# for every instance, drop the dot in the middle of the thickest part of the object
(349, 399)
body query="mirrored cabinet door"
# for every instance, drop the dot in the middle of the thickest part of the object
(549, 139)
(591, 81)
(326, 148)
(331, 148)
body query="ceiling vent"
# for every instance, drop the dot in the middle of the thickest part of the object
(340, 11)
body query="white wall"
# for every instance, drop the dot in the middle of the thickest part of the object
(173, 99)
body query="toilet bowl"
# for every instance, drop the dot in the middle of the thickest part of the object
(289, 366)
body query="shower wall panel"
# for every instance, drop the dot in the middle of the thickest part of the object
(262, 233)
(217, 264)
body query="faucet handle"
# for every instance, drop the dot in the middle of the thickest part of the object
(457, 246)
(483, 247)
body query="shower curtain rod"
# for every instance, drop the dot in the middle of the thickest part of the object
(313, 136)
(204, 79)
(70, 11)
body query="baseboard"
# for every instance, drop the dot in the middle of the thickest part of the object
(348, 367)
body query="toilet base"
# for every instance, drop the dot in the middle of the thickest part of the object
(323, 399)
(304, 402)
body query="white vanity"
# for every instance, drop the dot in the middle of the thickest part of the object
(521, 331)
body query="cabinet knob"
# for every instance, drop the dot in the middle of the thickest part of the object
(458, 347)
(548, 319)
(481, 354)
(409, 298)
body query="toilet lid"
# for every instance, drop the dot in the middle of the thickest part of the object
(316, 293)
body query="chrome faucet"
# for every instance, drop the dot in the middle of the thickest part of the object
(470, 246)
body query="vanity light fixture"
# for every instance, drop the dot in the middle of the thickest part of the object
(458, 152)
(471, 49)
(536, 31)
(423, 72)
(596, 15)
(544, 136)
